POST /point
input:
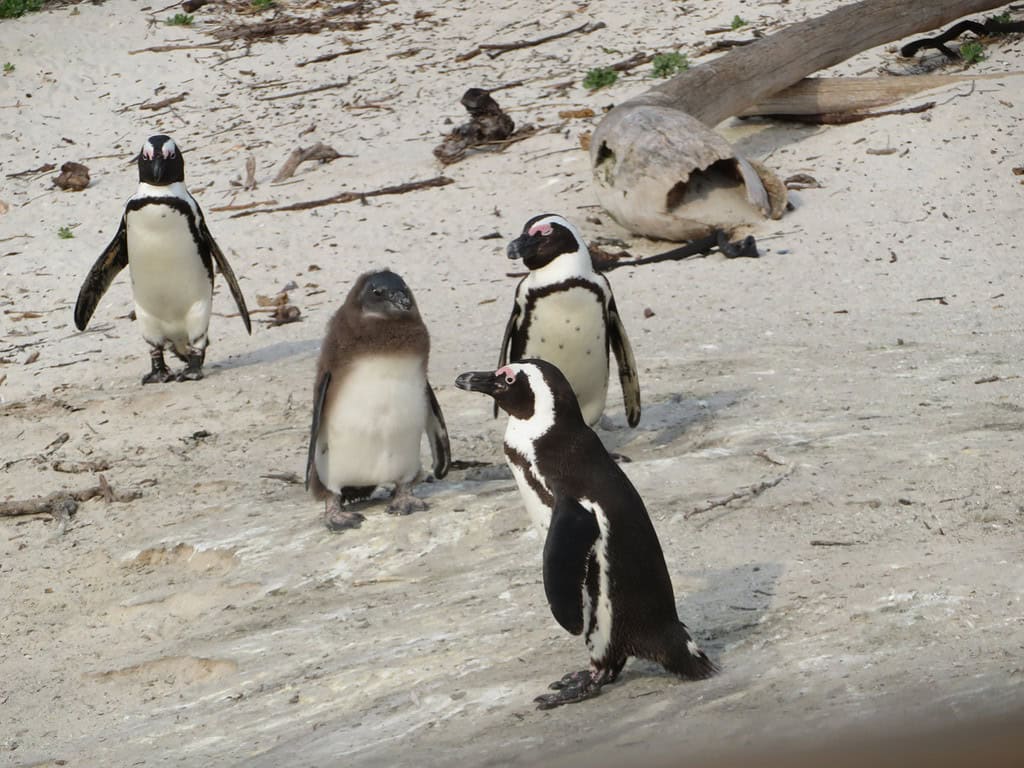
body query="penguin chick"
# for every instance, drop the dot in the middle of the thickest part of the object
(372, 402)
(565, 313)
(164, 242)
(604, 572)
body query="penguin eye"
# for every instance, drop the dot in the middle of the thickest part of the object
(378, 291)
(510, 379)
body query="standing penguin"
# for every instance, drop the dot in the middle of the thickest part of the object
(565, 313)
(164, 242)
(372, 402)
(604, 571)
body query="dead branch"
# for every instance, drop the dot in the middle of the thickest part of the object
(57, 501)
(250, 174)
(284, 25)
(831, 543)
(494, 50)
(167, 48)
(348, 197)
(329, 56)
(299, 155)
(80, 466)
(749, 492)
(845, 118)
(241, 206)
(319, 88)
(164, 102)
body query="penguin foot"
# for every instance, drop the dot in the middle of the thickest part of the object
(190, 374)
(573, 687)
(620, 458)
(405, 503)
(336, 518)
(158, 375)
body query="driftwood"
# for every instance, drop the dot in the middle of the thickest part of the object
(61, 503)
(659, 168)
(349, 197)
(319, 151)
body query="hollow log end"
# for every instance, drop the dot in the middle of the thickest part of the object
(664, 174)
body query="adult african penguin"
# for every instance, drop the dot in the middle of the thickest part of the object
(604, 572)
(170, 253)
(372, 402)
(565, 313)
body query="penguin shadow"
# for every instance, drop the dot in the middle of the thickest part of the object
(269, 354)
(666, 421)
(725, 617)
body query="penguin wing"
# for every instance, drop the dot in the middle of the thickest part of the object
(113, 259)
(440, 448)
(570, 541)
(225, 269)
(506, 340)
(628, 377)
(314, 428)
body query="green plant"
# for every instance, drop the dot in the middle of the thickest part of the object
(262, 5)
(668, 64)
(1002, 18)
(65, 233)
(180, 20)
(8, 68)
(600, 77)
(12, 9)
(737, 22)
(972, 52)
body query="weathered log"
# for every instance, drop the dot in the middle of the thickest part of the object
(659, 168)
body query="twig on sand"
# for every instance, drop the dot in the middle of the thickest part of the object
(242, 206)
(57, 503)
(348, 197)
(164, 102)
(832, 543)
(299, 155)
(494, 50)
(167, 48)
(749, 492)
(329, 56)
(319, 88)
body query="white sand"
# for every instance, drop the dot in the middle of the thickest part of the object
(253, 636)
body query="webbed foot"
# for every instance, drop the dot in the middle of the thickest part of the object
(573, 687)
(337, 518)
(159, 372)
(404, 503)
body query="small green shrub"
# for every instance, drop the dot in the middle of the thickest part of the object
(65, 233)
(8, 68)
(180, 20)
(972, 52)
(738, 22)
(600, 77)
(12, 9)
(262, 5)
(668, 64)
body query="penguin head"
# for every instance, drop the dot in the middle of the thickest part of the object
(160, 162)
(546, 238)
(527, 389)
(382, 293)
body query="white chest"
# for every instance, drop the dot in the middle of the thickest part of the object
(373, 422)
(166, 269)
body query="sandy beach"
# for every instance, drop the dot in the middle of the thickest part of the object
(858, 388)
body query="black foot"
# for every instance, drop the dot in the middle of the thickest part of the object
(404, 503)
(620, 458)
(573, 687)
(158, 375)
(190, 374)
(194, 369)
(338, 519)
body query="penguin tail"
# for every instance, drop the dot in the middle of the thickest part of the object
(681, 655)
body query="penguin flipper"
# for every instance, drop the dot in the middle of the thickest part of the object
(314, 429)
(628, 377)
(440, 448)
(225, 269)
(113, 259)
(510, 327)
(571, 537)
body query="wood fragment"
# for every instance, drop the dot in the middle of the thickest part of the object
(305, 91)
(285, 477)
(299, 155)
(48, 505)
(329, 56)
(348, 197)
(153, 105)
(833, 543)
(168, 48)
(250, 174)
(494, 50)
(845, 118)
(97, 465)
(44, 168)
(749, 492)
(242, 206)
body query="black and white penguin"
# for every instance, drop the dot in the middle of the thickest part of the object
(372, 402)
(170, 254)
(604, 572)
(565, 313)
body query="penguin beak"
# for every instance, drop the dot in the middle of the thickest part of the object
(157, 167)
(520, 247)
(400, 300)
(481, 381)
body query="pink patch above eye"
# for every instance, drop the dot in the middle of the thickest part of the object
(507, 372)
(540, 229)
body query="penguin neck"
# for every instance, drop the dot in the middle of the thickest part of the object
(175, 189)
(521, 434)
(564, 267)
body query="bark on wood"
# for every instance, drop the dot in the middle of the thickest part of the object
(644, 151)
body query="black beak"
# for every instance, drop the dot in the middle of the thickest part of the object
(480, 381)
(401, 300)
(517, 249)
(157, 166)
